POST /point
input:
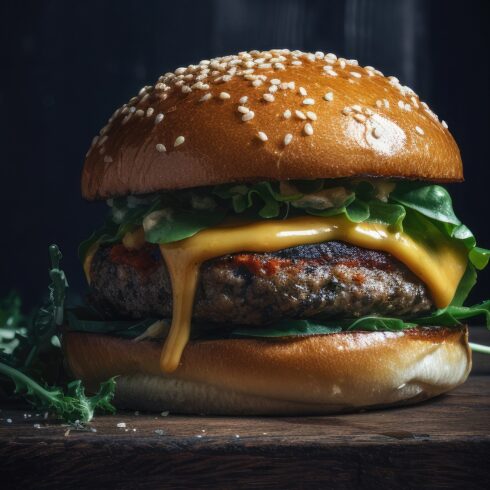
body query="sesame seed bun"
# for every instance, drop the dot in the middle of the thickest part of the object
(274, 115)
(338, 372)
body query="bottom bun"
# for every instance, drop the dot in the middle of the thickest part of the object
(290, 376)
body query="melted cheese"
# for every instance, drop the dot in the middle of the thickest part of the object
(439, 266)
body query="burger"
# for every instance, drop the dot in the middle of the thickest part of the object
(277, 242)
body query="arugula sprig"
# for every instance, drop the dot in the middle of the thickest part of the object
(72, 406)
(34, 337)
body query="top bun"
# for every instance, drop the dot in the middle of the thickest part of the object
(273, 115)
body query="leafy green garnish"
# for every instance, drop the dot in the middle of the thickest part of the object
(72, 406)
(287, 328)
(35, 336)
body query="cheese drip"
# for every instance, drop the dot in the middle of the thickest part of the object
(440, 266)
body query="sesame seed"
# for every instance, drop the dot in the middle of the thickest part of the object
(342, 63)
(160, 148)
(303, 91)
(419, 130)
(178, 141)
(355, 74)
(186, 89)
(308, 129)
(243, 109)
(291, 85)
(386, 103)
(311, 115)
(205, 97)
(284, 86)
(159, 118)
(328, 96)
(268, 97)
(346, 111)
(257, 83)
(139, 112)
(308, 101)
(379, 103)
(444, 124)
(332, 73)
(401, 104)
(300, 114)
(286, 114)
(356, 108)
(262, 136)
(296, 63)
(243, 100)
(224, 95)
(248, 116)
(273, 89)
(376, 132)
(265, 66)
(149, 111)
(107, 159)
(360, 117)
(287, 139)
(275, 81)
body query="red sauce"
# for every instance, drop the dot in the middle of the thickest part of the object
(141, 260)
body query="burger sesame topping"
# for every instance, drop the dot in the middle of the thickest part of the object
(300, 114)
(248, 116)
(161, 147)
(178, 141)
(287, 139)
(255, 68)
(205, 97)
(444, 124)
(308, 129)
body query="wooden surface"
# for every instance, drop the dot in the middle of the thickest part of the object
(442, 443)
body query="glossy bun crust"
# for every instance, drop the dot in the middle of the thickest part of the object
(193, 129)
(301, 375)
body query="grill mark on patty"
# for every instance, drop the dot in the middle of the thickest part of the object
(327, 280)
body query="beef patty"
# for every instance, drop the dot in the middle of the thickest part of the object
(327, 280)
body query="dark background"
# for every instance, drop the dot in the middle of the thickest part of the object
(66, 65)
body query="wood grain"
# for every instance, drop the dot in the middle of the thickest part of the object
(442, 443)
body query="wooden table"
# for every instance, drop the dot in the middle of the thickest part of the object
(441, 443)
